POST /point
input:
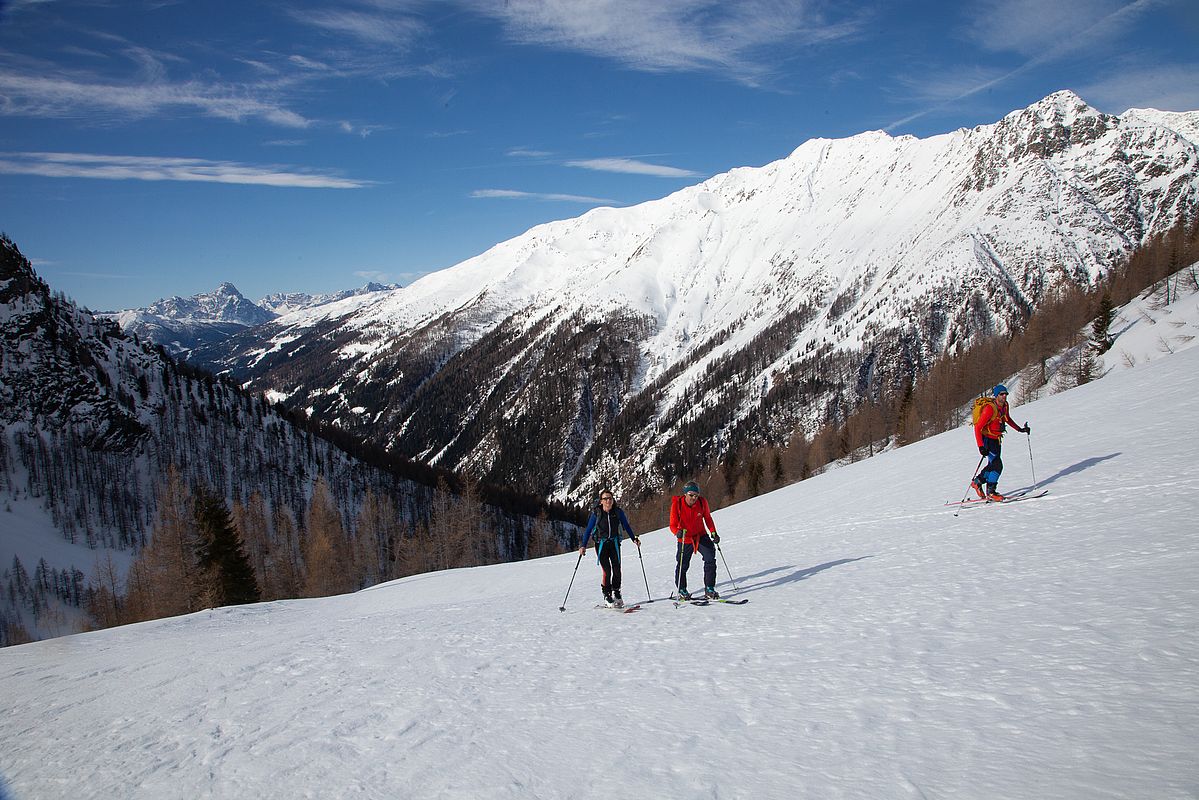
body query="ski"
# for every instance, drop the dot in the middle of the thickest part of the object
(621, 609)
(981, 501)
(708, 601)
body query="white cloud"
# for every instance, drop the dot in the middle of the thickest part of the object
(50, 96)
(732, 38)
(373, 28)
(525, 152)
(510, 194)
(632, 167)
(146, 168)
(308, 63)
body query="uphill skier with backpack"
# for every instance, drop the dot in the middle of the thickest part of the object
(605, 522)
(693, 528)
(991, 415)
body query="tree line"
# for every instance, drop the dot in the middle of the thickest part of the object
(201, 553)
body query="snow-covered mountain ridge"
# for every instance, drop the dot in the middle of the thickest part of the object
(280, 303)
(889, 649)
(626, 345)
(181, 324)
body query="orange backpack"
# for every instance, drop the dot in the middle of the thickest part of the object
(980, 403)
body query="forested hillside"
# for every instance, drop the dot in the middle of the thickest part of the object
(107, 444)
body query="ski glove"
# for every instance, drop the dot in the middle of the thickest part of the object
(1027, 428)
(636, 541)
(982, 449)
(715, 537)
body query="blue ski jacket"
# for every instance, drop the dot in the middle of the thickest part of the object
(606, 525)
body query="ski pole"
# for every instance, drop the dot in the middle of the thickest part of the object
(648, 597)
(967, 494)
(572, 581)
(1031, 465)
(678, 573)
(726, 568)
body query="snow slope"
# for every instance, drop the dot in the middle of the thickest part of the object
(890, 649)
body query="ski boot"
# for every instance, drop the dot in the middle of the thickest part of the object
(993, 495)
(608, 600)
(977, 486)
(684, 594)
(617, 600)
(711, 594)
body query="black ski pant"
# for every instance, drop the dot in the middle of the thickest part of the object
(682, 559)
(608, 553)
(994, 466)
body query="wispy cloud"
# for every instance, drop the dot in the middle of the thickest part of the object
(509, 194)
(632, 167)
(734, 39)
(67, 96)
(374, 27)
(525, 152)
(1052, 38)
(148, 168)
(1034, 27)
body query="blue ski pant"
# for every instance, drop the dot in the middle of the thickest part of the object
(994, 466)
(682, 559)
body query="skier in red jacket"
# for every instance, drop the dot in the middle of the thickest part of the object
(691, 523)
(988, 434)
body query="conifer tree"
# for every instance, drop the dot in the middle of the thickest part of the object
(228, 578)
(250, 520)
(1101, 340)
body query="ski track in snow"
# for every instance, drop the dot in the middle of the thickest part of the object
(890, 650)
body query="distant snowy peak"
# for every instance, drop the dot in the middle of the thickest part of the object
(281, 303)
(183, 324)
(223, 304)
(180, 324)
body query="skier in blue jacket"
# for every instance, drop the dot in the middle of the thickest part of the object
(606, 521)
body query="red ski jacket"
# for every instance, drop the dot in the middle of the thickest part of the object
(990, 423)
(690, 519)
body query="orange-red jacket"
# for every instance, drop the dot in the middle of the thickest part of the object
(690, 519)
(991, 420)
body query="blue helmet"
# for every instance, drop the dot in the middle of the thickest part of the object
(998, 390)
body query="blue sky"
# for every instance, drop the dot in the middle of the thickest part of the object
(159, 147)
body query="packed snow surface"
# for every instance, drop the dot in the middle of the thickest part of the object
(890, 649)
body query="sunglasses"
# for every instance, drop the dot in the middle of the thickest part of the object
(606, 498)
(693, 494)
